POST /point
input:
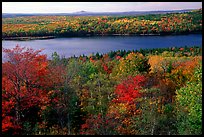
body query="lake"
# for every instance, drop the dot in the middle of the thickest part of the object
(87, 45)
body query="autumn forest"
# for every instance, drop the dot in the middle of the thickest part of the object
(155, 91)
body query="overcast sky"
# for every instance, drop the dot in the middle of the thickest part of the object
(68, 7)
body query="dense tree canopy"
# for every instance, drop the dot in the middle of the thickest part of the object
(159, 24)
(151, 91)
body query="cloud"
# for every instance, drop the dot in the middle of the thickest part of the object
(60, 7)
(172, 5)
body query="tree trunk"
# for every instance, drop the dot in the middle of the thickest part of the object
(68, 124)
(153, 128)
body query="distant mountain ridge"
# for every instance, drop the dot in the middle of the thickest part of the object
(86, 13)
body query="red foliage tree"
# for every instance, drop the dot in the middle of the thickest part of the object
(101, 125)
(128, 90)
(106, 68)
(118, 57)
(23, 75)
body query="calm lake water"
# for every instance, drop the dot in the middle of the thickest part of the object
(87, 45)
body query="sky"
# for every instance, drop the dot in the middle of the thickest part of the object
(69, 7)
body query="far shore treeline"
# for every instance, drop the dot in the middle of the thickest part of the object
(68, 26)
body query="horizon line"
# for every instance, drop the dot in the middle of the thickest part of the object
(97, 12)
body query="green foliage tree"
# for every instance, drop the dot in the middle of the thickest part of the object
(189, 105)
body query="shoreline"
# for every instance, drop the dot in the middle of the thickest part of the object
(28, 38)
(90, 35)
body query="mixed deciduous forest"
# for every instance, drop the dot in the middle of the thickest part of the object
(144, 92)
(63, 26)
(154, 91)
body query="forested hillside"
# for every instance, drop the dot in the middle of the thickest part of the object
(61, 26)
